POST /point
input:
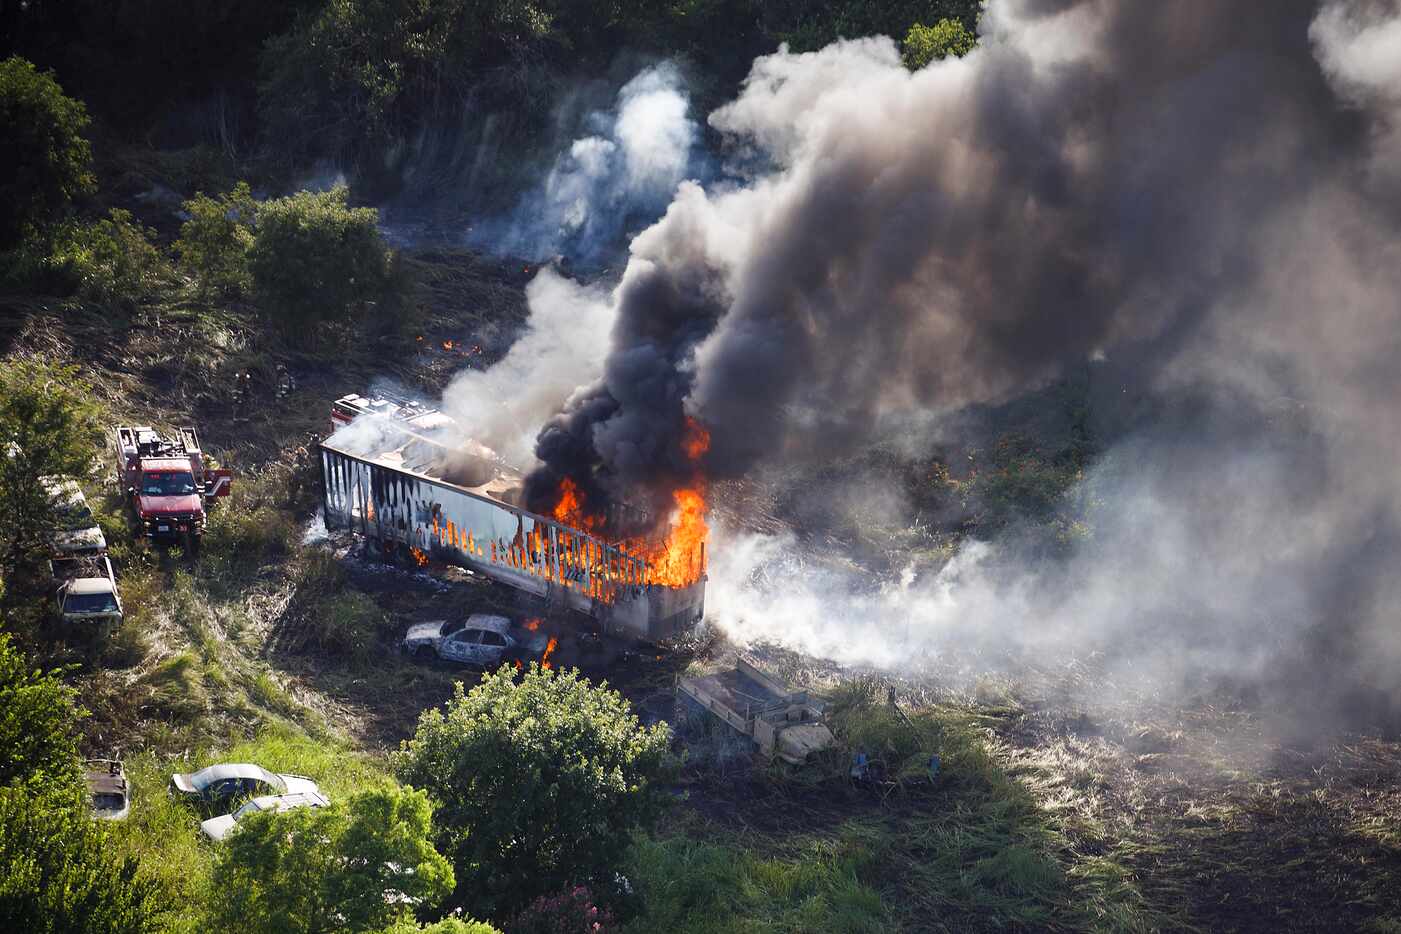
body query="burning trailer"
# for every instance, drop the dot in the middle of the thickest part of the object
(427, 494)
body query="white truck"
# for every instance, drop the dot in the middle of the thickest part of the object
(86, 597)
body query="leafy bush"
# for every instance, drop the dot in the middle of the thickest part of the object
(571, 912)
(352, 866)
(44, 162)
(537, 782)
(924, 44)
(49, 426)
(59, 872)
(110, 261)
(215, 242)
(315, 259)
(38, 747)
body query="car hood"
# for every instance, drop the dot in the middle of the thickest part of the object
(171, 505)
(86, 615)
(217, 828)
(424, 632)
(298, 784)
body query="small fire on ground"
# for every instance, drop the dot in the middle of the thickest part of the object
(550, 647)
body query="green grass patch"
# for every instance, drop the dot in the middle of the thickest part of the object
(711, 887)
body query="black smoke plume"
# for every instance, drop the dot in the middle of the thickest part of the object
(1097, 177)
(1204, 194)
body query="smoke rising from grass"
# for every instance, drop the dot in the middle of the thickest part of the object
(1202, 191)
(619, 177)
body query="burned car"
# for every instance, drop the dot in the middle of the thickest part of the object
(75, 530)
(108, 789)
(217, 828)
(480, 640)
(219, 783)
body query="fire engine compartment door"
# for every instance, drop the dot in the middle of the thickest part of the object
(219, 482)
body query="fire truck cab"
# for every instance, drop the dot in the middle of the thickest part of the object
(167, 481)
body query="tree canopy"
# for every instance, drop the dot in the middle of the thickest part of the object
(538, 783)
(45, 160)
(49, 427)
(353, 866)
(315, 259)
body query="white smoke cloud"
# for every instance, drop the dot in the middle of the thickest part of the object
(563, 347)
(622, 174)
(1359, 48)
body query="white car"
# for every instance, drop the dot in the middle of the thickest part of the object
(480, 640)
(217, 828)
(237, 780)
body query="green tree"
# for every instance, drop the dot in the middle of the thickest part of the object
(61, 872)
(924, 44)
(316, 259)
(367, 68)
(48, 427)
(214, 243)
(38, 747)
(45, 159)
(356, 866)
(112, 260)
(537, 784)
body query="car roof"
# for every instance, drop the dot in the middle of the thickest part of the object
(493, 623)
(86, 585)
(65, 488)
(217, 773)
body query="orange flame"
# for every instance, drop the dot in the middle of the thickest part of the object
(676, 561)
(419, 556)
(545, 662)
(570, 507)
(696, 441)
(532, 624)
(448, 345)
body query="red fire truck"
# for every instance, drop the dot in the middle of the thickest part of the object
(168, 481)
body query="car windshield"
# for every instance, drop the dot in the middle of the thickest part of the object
(168, 483)
(215, 773)
(108, 802)
(90, 603)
